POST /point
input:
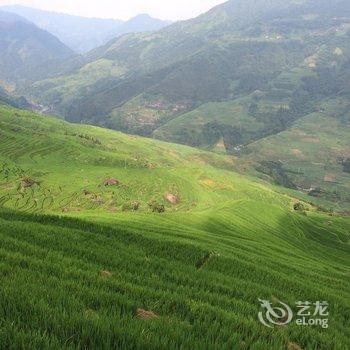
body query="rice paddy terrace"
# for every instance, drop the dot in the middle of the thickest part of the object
(114, 241)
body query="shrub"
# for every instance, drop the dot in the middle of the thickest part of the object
(27, 182)
(156, 207)
(300, 207)
(133, 205)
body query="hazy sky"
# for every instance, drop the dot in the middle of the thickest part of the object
(123, 9)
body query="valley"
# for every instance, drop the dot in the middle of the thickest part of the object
(162, 183)
(221, 87)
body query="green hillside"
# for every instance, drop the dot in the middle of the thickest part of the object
(312, 156)
(83, 276)
(216, 57)
(37, 148)
(226, 82)
(308, 152)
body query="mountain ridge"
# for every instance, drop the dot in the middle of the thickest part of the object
(83, 34)
(24, 47)
(223, 84)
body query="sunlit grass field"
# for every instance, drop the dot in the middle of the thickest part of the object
(77, 263)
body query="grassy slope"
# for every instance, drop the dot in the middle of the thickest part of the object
(313, 146)
(311, 152)
(54, 296)
(195, 82)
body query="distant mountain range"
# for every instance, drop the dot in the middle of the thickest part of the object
(9, 17)
(146, 83)
(82, 34)
(228, 81)
(24, 48)
(242, 77)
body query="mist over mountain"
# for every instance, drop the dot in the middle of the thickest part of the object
(9, 17)
(138, 24)
(82, 34)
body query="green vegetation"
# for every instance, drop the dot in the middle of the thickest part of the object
(231, 51)
(111, 240)
(96, 273)
(226, 82)
(71, 163)
(311, 156)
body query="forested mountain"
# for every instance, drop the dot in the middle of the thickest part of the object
(24, 47)
(81, 33)
(244, 71)
(111, 240)
(219, 56)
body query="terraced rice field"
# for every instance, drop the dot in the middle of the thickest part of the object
(79, 269)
